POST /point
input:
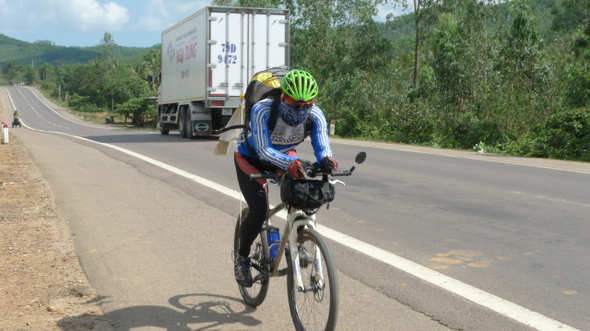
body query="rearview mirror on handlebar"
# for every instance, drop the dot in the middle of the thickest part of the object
(360, 158)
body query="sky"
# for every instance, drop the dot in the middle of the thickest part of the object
(132, 23)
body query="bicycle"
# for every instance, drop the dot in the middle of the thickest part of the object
(312, 282)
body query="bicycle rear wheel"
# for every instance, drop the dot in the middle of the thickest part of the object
(255, 295)
(316, 308)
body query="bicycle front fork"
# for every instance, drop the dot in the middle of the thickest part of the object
(294, 224)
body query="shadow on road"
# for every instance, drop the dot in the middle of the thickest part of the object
(193, 312)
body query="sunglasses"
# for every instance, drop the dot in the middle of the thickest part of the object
(291, 102)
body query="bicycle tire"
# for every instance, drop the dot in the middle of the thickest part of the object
(308, 309)
(255, 295)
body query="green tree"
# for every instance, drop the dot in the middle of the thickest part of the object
(571, 15)
(45, 71)
(321, 32)
(521, 65)
(31, 75)
(452, 61)
(88, 81)
(14, 73)
(424, 11)
(106, 58)
(109, 63)
(573, 18)
(461, 53)
(125, 85)
(577, 72)
(151, 67)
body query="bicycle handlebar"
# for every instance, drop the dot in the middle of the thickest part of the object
(312, 172)
(315, 169)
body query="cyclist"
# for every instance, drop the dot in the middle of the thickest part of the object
(275, 151)
(15, 118)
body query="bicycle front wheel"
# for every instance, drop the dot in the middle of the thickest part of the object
(316, 307)
(255, 295)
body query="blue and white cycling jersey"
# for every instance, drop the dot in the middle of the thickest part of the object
(273, 147)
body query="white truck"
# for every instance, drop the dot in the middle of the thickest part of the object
(208, 60)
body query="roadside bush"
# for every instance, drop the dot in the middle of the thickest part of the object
(470, 131)
(50, 87)
(139, 111)
(77, 101)
(564, 135)
(577, 87)
(411, 126)
(81, 103)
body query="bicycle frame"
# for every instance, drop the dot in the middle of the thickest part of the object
(295, 219)
(313, 281)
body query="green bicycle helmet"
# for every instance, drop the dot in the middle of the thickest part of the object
(299, 85)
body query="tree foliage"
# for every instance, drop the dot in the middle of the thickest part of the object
(511, 77)
(103, 84)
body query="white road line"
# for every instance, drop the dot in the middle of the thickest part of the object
(543, 197)
(490, 301)
(9, 97)
(53, 110)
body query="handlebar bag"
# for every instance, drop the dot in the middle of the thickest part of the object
(307, 194)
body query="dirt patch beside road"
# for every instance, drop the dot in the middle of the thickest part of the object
(42, 285)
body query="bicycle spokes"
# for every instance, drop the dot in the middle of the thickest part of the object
(314, 305)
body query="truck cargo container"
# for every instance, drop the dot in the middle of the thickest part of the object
(208, 60)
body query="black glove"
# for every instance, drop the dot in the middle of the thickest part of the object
(298, 168)
(329, 164)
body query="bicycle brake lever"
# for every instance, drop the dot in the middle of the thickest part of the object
(336, 181)
(268, 183)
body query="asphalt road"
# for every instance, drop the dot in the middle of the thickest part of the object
(424, 239)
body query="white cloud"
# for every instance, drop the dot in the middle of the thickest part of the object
(90, 15)
(158, 15)
(62, 15)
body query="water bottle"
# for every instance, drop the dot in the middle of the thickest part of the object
(273, 237)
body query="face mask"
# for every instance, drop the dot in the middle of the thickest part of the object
(293, 115)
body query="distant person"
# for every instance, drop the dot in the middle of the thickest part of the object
(15, 119)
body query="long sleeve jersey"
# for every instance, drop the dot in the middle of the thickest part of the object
(273, 146)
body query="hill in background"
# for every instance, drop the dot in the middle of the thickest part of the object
(402, 30)
(40, 52)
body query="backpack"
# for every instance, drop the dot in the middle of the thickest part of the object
(265, 84)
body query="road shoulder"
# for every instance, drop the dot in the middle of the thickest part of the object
(43, 286)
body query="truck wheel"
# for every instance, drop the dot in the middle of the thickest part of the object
(181, 122)
(164, 129)
(189, 125)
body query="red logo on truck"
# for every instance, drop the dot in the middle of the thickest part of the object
(186, 53)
